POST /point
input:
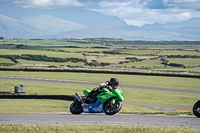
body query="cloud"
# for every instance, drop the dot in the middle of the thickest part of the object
(140, 12)
(133, 12)
(47, 3)
(186, 4)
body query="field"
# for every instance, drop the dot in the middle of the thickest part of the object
(103, 54)
(180, 52)
(130, 94)
(91, 129)
(39, 52)
(100, 55)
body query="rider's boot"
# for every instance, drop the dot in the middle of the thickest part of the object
(90, 96)
(86, 99)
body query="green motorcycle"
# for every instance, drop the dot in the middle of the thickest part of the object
(108, 101)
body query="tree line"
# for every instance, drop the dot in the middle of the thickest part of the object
(41, 58)
(183, 56)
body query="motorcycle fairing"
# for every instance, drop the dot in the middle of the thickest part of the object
(106, 94)
(93, 107)
(86, 92)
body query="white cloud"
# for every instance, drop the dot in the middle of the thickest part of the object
(189, 4)
(47, 3)
(181, 1)
(133, 12)
(67, 2)
(41, 2)
(121, 9)
(137, 12)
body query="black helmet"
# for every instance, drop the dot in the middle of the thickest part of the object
(114, 82)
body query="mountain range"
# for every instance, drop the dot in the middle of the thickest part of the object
(18, 22)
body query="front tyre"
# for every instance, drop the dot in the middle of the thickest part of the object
(76, 107)
(111, 109)
(196, 109)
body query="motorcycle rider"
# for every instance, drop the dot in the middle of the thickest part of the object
(110, 85)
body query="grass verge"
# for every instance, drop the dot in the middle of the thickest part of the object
(61, 106)
(34, 106)
(92, 129)
(142, 80)
(131, 94)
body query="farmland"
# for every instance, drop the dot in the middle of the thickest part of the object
(102, 54)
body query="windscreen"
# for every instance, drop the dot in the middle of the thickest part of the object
(117, 87)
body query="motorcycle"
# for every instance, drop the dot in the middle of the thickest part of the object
(108, 101)
(196, 109)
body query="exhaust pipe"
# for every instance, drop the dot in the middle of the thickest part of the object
(78, 97)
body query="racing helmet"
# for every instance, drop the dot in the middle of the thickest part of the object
(114, 82)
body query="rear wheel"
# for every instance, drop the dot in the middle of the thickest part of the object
(196, 109)
(111, 109)
(76, 107)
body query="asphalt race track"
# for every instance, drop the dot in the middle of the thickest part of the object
(121, 85)
(102, 119)
(118, 119)
(92, 83)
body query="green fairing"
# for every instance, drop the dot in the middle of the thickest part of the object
(106, 95)
(86, 92)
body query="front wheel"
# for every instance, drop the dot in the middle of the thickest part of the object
(196, 109)
(76, 107)
(111, 109)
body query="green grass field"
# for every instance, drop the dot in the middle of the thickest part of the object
(34, 106)
(50, 48)
(27, 63)
(179, 52)
(130, 94)
(187, 62)
(92, 129)
(143, 64)
(116, 54)
(39, 52)
(97, 50)
(137, 52)
(192, 69)
(55, 106)
(4, 60)
(50, 43)
(138, 49)
(154, 81)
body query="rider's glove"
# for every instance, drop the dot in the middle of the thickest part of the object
(104, 85)
(95, 89)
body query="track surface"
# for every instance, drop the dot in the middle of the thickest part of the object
(121, 85)
(92, 83)
(118, 119)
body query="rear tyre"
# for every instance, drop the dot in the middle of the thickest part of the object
(111, 109)
(76, 107)
(196, 109)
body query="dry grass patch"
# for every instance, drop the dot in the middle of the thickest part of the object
(109, 58)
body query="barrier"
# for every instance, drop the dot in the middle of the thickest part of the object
(106, 72)
(55, 97)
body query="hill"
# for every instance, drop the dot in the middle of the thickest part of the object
(187, 30)
(50, 21)
(15, 28)
(79, 23)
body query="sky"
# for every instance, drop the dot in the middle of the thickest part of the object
(133, 12)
